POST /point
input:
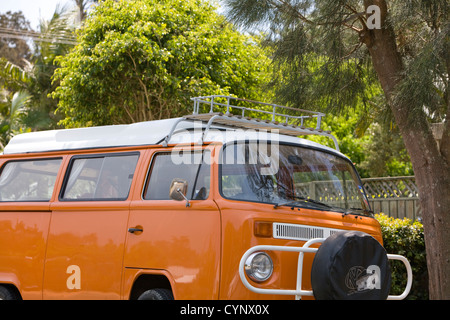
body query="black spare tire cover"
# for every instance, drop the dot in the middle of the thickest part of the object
(351, 265)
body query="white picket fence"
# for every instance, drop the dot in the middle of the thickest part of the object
(396, 197)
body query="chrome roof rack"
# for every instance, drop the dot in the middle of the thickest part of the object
(276, 111)
(221, 109)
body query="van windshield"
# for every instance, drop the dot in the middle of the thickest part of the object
(291, 175)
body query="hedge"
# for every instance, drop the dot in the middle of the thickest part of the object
(406, 237)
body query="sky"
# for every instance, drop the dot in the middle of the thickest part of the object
(33, 10)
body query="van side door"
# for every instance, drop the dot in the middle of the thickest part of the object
(168, 238)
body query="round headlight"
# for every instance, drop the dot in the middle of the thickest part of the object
(259, 266)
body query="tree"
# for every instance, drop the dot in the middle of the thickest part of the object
(62, 25)
(14, 55)
(15, 50)
(144, 60)
(14, 100)
(406, 45)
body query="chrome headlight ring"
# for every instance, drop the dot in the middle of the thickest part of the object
(259, 266)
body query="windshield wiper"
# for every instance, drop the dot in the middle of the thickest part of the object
(300, 200)
(359, 211)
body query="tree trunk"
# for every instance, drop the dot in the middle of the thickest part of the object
(431, 165)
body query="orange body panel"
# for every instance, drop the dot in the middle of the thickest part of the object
(82, 249)
(23, 241)
(92, 239)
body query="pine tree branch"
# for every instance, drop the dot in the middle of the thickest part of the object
(358, 15)
(356, 47)
(352, 27)
(292, 9)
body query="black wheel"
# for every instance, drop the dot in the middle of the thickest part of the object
(156, 294)
(8, 294)
(351, 265)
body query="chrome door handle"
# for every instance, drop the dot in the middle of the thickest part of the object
(136, 229)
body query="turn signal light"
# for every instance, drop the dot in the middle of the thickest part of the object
(263, 229)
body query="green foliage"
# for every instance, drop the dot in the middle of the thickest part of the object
(14, 99)
(143, 60)
(406, 238)
(424, 33)
(12, 111)
(385, 153)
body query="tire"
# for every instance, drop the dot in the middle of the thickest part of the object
(351, 265)
(8, 294)
(156, 294)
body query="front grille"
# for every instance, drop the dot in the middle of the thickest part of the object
(300, 232)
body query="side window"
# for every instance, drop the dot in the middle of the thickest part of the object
(30, 180)
(190, 166)
(103, 177)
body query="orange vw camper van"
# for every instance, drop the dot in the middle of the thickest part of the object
(215, 205)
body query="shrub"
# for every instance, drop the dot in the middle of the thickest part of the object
(405, 237)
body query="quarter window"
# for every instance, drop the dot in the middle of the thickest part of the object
(106, 177)
(31, 180)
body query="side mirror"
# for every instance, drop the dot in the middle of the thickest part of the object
(178, 190)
